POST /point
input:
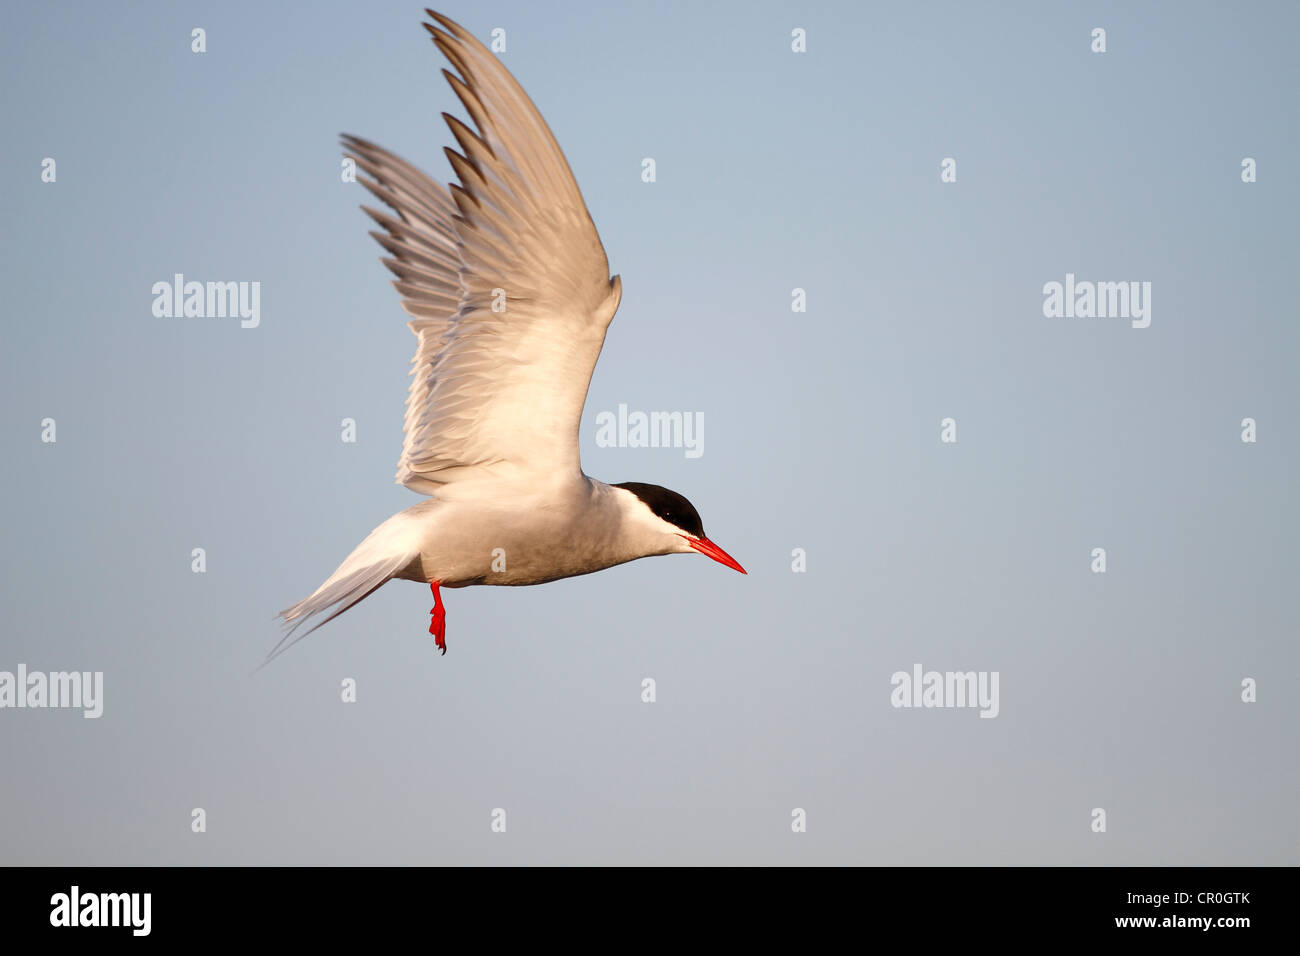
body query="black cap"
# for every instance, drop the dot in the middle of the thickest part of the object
(668, 505)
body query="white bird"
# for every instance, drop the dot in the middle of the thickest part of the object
(510, 291)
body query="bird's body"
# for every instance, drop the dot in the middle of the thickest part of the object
(498, 534)
(509, 289)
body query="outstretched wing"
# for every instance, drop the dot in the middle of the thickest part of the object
(421, 240)
(506, 279)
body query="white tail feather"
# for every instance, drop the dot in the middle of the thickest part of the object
(372, 564)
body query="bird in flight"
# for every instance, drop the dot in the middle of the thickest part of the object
(510, 295)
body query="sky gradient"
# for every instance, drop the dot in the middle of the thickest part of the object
(775, 171)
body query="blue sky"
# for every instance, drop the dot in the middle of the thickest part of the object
(775, 171)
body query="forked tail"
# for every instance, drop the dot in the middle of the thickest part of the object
(358, 577)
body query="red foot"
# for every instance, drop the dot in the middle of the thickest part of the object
(438, 626)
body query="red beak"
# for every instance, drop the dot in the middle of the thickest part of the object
(705, 546)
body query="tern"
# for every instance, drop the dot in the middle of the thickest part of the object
(509, 291)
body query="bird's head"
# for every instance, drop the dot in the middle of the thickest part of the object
(663, 522)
